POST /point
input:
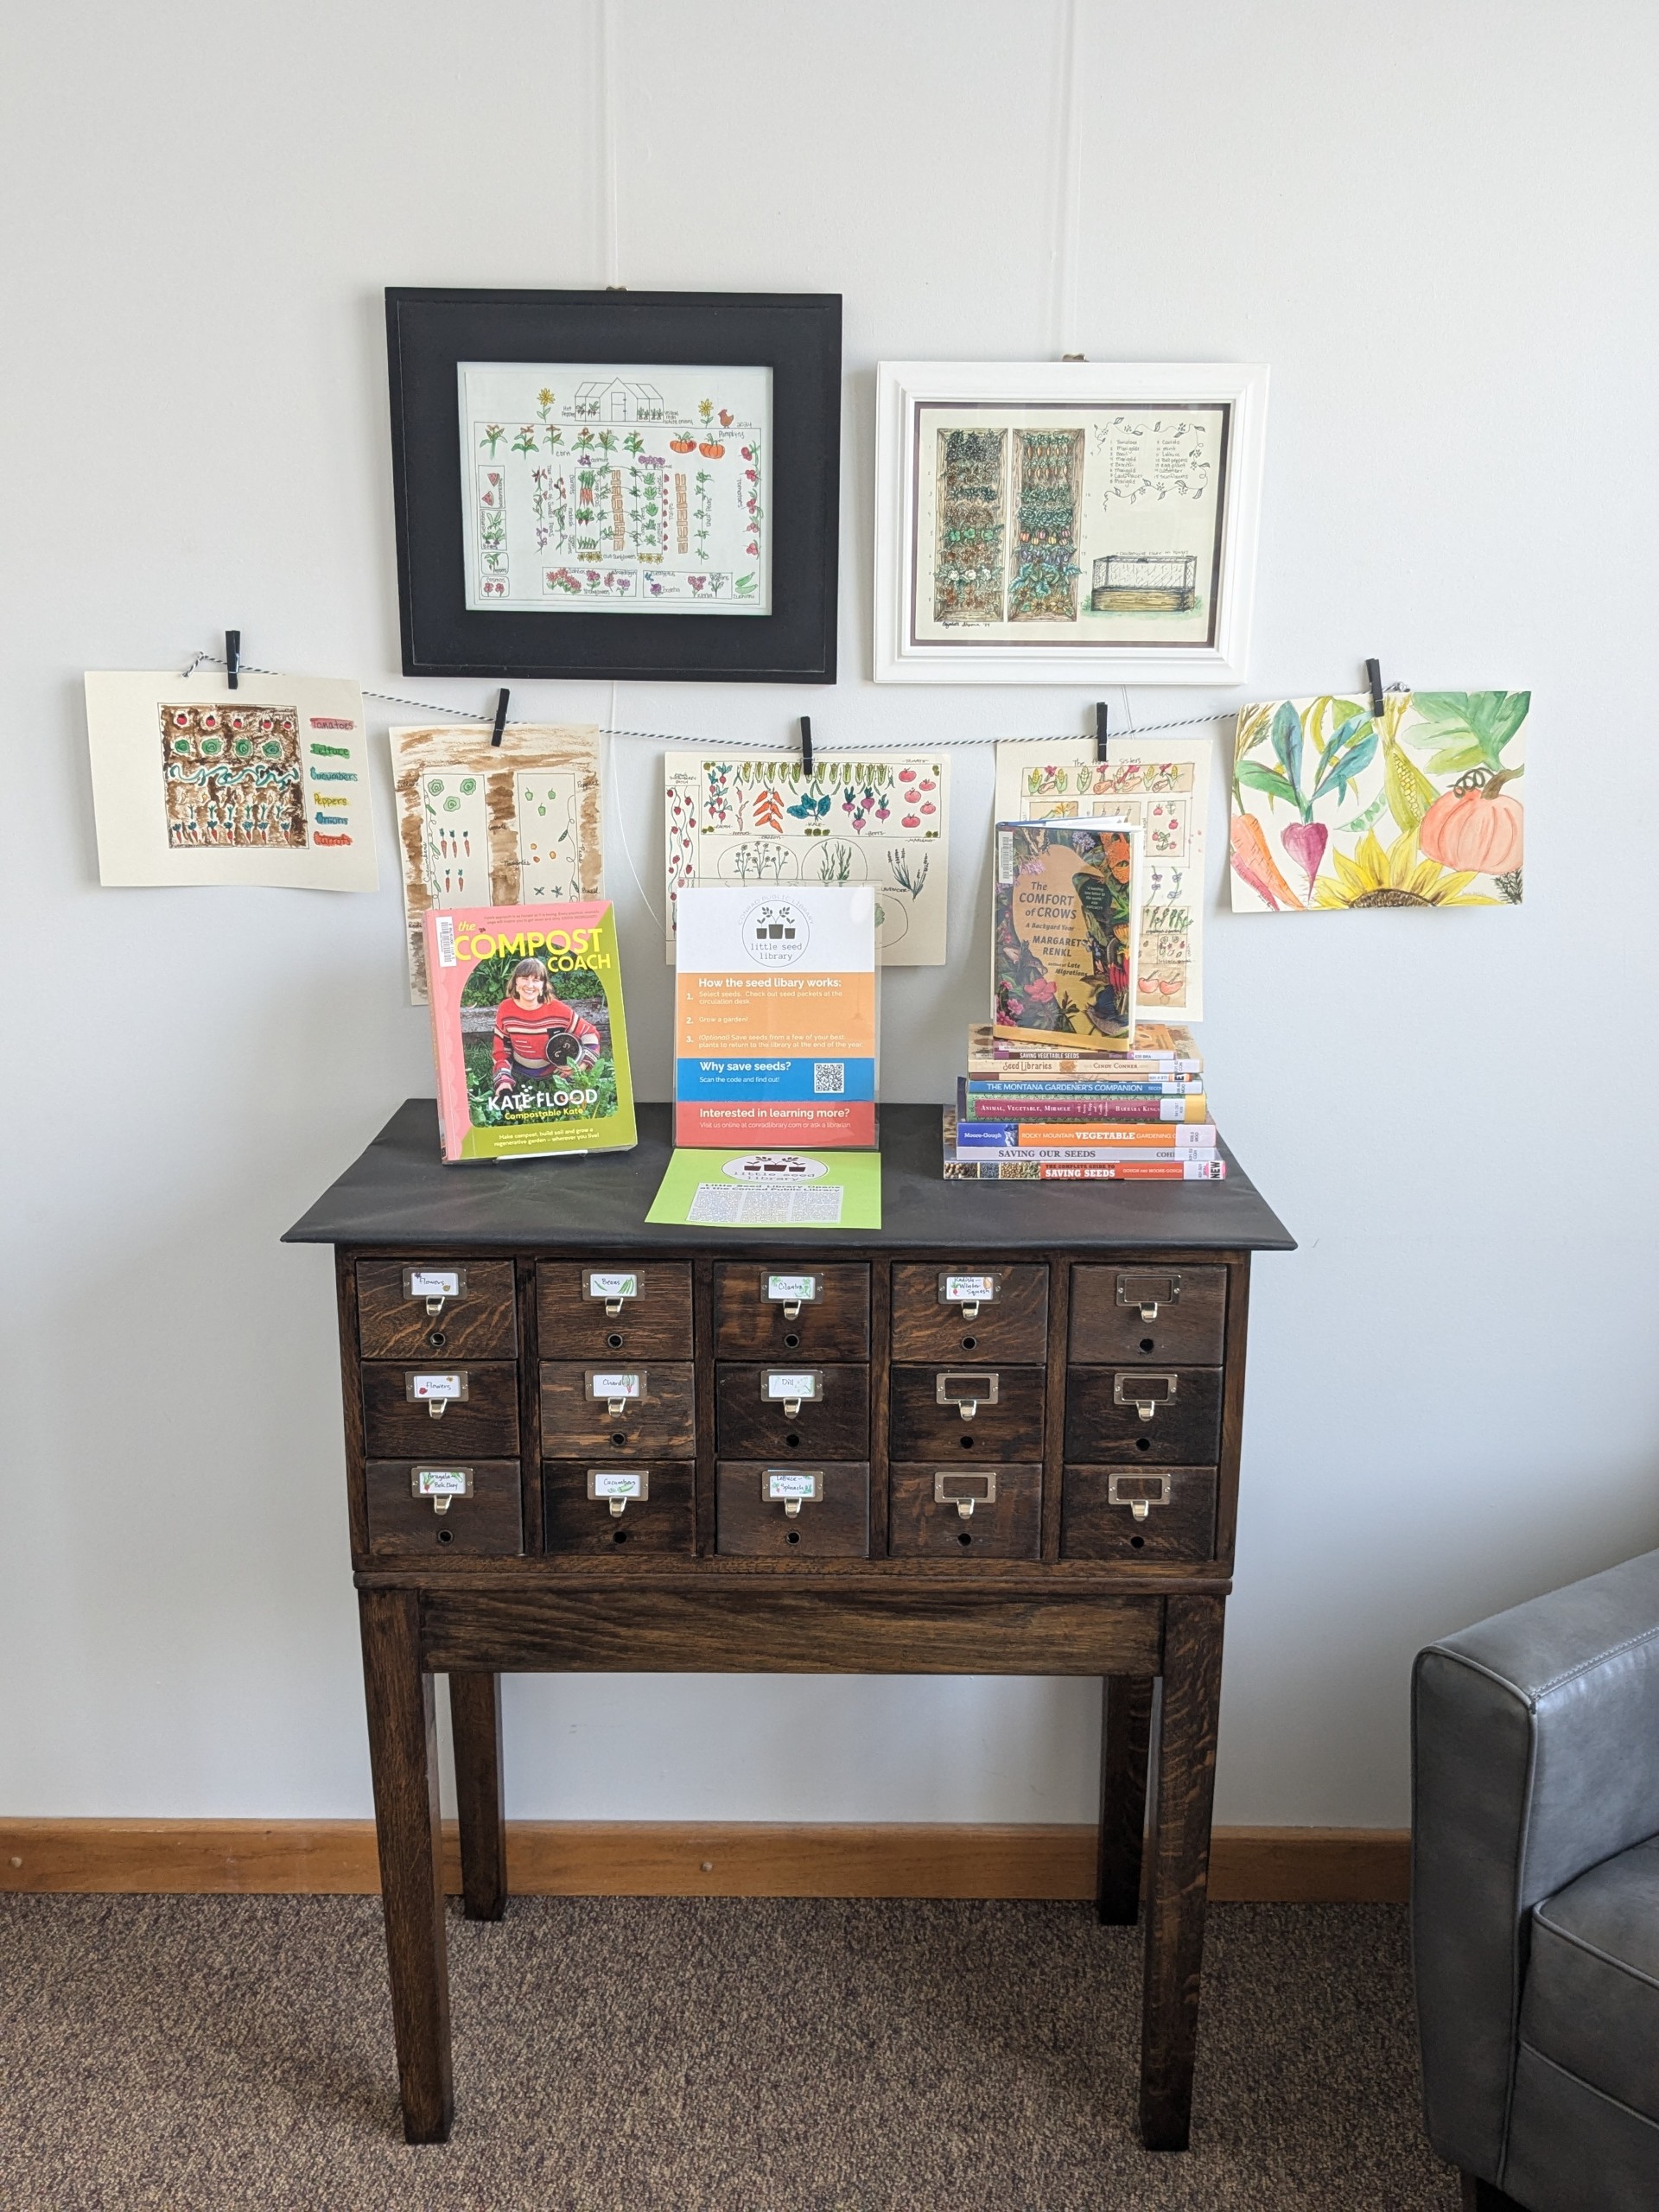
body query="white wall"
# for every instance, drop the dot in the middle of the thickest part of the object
(1433, 220)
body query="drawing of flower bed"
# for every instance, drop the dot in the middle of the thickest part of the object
(842, 798)
(1333, 809)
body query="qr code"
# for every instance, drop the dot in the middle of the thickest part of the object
(828, 1075)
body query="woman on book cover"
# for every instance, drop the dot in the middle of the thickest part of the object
(538, 1036)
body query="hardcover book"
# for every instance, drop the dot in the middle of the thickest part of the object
(775, 1016)
(528, 1030)
(1067, 926)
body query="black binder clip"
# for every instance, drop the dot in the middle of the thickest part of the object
(500, 715)
(232, 657)
(1374, 677)
(806, 746)
(1102, 720)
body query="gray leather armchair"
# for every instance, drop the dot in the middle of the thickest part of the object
(1536, 1897)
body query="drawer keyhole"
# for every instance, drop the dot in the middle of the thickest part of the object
(614, 1342)
(620, 1535)
(618, 1437)
(1143, 1443)
(445, 1535)
(966, 1537)
(437, 1338)
(966, 1442)
(791, 1341)
(791, 1439)
(971, 1344)
(793, 1536)
(1145, 1344)
(1137, 1543)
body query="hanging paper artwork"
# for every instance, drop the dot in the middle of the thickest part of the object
(194, 783)
(733, 819)
(605, 487)
(480, 824)
(1162, 786)
(1332, 809)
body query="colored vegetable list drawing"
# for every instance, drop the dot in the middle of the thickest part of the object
(1333, 809)
(232, 774)
(1161, 786)
(734, 819)
(970, 553)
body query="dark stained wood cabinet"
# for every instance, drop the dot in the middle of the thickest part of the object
(1001, 1434)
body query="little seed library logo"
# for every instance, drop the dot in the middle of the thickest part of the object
(773, 1168)
(775, 933)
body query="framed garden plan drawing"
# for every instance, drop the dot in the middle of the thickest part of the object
(1066, 522)
(616, 485)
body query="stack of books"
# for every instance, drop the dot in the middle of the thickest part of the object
(1031, 1113)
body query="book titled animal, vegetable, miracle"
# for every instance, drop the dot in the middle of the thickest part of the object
(528, 1030)
(1067, 925)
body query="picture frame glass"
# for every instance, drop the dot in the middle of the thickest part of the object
(1077, 524)
(616, 488)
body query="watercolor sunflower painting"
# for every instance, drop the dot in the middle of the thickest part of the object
(1336, 808)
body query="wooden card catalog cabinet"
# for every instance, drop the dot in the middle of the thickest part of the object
(998, 1435)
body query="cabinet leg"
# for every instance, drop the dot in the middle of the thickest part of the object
(1126, 1728)
(475, 1713)
(403, 1754)
(1178, 1875)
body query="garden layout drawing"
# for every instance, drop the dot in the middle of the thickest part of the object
(616, 488)
(1332, 808)
(731, 818)
(1162, 785)
(196, 782)
(515, 825)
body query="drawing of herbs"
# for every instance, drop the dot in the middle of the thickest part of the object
(907, 878)
(749, 486)
(1337, 762)
(835, 864)
(703, 512)
(525, 441)
(493, 434)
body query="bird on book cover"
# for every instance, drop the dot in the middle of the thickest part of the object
(536, 1033)
(1108, 946)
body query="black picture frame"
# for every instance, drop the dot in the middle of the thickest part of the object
(796, 334)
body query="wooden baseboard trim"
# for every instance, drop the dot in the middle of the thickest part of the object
(685, 1859)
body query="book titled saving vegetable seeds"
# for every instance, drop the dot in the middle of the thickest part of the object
(528, 1030)
(1067, 923)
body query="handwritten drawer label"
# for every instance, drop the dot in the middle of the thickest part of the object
(433, 1282)
(437, 1386)
(786, 1486)
(969, 1290)
(617, 1386)
(605, 1485)
(791, 1290)
(780, 1385)
(612, 1285)
(443, 1481)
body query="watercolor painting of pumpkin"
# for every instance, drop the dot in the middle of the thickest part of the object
(1334, 807)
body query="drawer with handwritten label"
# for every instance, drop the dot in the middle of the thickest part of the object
(406, 1310)
(819, 1511)
(625, 1409)
(613, 1508)
(769, 1312)
(999, 1312)
(584, 1311)
(428, 1509)
(468, 1407)
(761, 1410)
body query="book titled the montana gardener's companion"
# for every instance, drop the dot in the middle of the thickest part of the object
(528, 1030)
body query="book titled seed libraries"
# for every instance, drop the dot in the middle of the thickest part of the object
(528, 1030)
(775, 1016)
(1066, 930)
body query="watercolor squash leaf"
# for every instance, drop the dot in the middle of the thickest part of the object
(1469, 729)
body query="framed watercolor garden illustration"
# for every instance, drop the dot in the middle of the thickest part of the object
(1066, 522)
(616, 485)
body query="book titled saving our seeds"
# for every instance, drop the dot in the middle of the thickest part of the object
(528, 1030)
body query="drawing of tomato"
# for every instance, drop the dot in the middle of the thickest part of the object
(711, 449)
(913, 821)
(928, 807)
(906, 775)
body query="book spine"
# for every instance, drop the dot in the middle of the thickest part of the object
(1012, 1058)
(975, 1106)
(1122, 1171)
(1150, 1084)
(1120, 1137)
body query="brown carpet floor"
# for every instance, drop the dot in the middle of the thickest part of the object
(698, 2056)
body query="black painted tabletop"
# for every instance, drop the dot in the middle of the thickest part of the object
(400, 1193)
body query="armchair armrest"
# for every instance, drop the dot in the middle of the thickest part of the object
(1535, 1756)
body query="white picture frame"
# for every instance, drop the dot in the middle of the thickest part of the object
(1174, 610)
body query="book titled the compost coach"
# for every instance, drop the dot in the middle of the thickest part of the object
(528, 1030)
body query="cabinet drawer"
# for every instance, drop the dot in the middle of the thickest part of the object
(1164, 1415)
(1005, 1420)
(480, 1518)
(754, 1319)
(577, 1419)
(1181, 1527)
(1113, 1316)
(932, 1319)
(398, 1321)
(660, 1520)
(399, 1419)
(653, 1319)
(752, 1525)
(1006, 1522)
(752, 1420)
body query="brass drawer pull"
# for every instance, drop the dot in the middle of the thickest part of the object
(792, 1388)
(970, 1292)
(1139, 1492)
(614, 1289)
(791, 1292)
(965, 1491)
(435, 1392)
(1132, 1390)
(617, 1489)
(436, 1286)
(1146, 1306)
(966, 1390)
(792, 1488)
(441, 1484)
(617, 1387)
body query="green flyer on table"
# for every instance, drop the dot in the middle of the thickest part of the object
(770, 1190)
